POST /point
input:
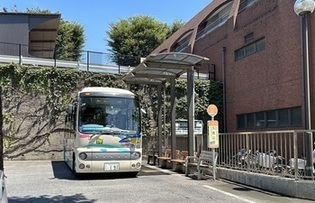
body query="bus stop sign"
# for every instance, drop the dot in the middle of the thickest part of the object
(212, 110)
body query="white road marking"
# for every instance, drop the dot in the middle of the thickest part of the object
(229, 194)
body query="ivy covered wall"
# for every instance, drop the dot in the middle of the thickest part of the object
(34, 101)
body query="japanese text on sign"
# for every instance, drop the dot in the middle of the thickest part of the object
(213, 134)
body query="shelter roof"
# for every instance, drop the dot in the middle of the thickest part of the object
(159, 68)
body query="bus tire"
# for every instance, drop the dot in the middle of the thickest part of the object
(133, 174)
(76, 175)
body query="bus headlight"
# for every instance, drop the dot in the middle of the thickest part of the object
(81, 166)
(82, 155)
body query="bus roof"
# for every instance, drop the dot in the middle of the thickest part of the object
(108, 90)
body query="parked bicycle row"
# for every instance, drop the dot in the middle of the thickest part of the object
(278, 153)
(270, 162)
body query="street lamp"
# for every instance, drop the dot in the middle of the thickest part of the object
(303, 8)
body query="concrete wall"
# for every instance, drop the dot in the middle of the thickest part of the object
(294, 188)
(33, 134)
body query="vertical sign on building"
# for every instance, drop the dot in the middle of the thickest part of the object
(213, 127)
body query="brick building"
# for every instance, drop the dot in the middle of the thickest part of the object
(254, 47)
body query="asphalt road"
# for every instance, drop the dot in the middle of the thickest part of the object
(52, 181)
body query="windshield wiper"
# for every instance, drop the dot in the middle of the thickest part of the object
(110, 131)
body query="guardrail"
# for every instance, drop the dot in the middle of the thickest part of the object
(111, 69)
(282, 153)
(64, 64)
(90, 61)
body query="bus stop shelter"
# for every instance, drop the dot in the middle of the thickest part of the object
(157, 69)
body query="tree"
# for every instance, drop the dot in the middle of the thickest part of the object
(174, 27)
(136, 37)
(70, 41)
(33, 105)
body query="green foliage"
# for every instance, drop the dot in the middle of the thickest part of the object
(70, 41)
(52, 90)
(55, 88)
(174, 27)
(135, 37)
(206, 92)
(96, 79)
(36, 10)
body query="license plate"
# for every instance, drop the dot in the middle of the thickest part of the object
(111, 167)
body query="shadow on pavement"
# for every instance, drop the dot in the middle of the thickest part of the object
(48, 199)
(148, 171)
(62, 171)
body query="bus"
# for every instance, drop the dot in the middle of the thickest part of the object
(103, 132)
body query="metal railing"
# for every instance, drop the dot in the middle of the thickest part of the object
(64, 64)
(281, 153)
(90, 61)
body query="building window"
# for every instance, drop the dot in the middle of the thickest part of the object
(272, 119)
(250, 49)
(296, 117)
(217, 19)
(241, 121)
(250, 120)
(260, 120)
(290, 117)
(245, 4)
(249, 38)
(183, 42)
(283, 118)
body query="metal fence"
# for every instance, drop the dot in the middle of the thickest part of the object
(282, 153)
(90, 61)
(87, 61)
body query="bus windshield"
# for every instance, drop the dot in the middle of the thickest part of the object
(109, 114)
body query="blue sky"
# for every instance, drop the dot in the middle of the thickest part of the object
(96, 15)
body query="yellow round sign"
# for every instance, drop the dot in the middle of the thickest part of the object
(212, 110)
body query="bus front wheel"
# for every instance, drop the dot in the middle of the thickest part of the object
(133, 174)
(77, 175)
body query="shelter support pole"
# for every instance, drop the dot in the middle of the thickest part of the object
(159, 119)
(173, 118)
(191, 110)
(165, 130)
